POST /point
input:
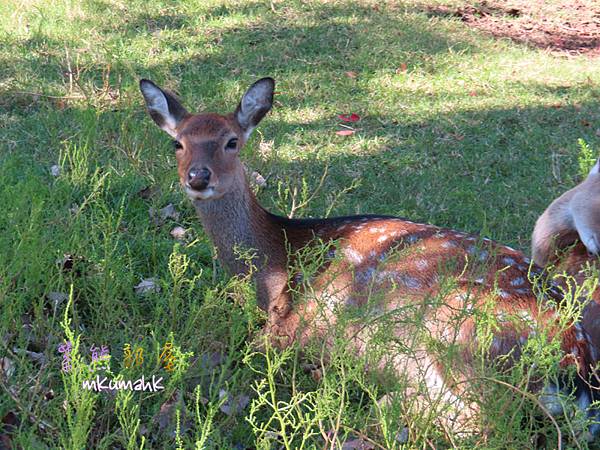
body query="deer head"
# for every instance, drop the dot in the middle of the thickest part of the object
(207, 145)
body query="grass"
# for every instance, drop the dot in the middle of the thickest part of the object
(457, 129)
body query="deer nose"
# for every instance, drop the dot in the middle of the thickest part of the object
(198, 178)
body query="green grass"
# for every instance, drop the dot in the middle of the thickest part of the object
(477, 134)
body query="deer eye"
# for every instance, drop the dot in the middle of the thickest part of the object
(232, 144)
(177, 145)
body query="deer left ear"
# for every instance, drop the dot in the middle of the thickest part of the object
(256, 102)
(163, 107)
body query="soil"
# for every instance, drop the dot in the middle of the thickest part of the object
(567, 27)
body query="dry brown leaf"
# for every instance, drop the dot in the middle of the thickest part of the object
(259, 179)
(7, 367)
(233, 405)
(179, 233)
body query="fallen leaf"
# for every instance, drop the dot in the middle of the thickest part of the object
(473, 94)
(36, 357)
(585, 123)
(403, 68)
(357, 444)
(57, 297)
(349, 118)
(402, 436)
(70, 263)
(344, 132)
(351, 74)
(233, 405)
(259, 179)
(147, 286)
(55, 170)
(317, 375)
(7, 367)
(166, 412)
(210, 361)
(148, 192)
(169, 212)
(160, 217)
(179, 233)
(10, 423)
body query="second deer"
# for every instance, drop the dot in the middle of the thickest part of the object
(371, 266)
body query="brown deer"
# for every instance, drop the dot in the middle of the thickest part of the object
(373, 265)
(566, 240)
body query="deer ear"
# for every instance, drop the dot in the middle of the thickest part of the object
(255, 103)
(163, 107)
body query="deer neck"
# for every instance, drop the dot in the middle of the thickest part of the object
(236, 222)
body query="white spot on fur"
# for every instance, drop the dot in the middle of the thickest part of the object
(504, 294)
(525, 315)
(383, 238)
(353, 256)
(422, 264)
(411, 239)
(342, 228)
(448, 244)
(517, 281)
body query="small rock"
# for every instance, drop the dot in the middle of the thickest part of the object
(147, 286)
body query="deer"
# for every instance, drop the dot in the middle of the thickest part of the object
(566, 240)
(398, 262)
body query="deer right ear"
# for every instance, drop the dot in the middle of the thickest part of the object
(255, 103)
(163, 107)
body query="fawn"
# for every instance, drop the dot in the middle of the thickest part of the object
(396, 261)
(567, 236)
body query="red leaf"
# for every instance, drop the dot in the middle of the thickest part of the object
(351, 74)
(344, 132)
(349, 118)
(403, 68)
(473, 93)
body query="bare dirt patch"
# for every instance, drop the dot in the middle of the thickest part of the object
(568, 27)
